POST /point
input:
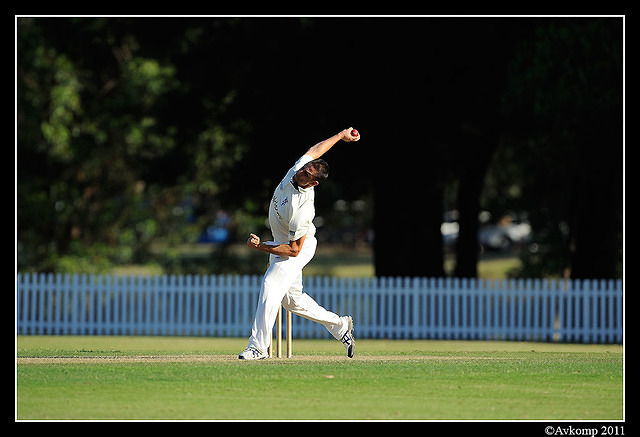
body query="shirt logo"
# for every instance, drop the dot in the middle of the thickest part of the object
(274, 202)
(284, 202)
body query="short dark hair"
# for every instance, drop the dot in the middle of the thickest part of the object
(322, 169)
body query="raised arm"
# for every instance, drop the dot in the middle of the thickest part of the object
(323, 147)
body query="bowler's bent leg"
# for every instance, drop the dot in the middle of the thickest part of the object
(303, 305)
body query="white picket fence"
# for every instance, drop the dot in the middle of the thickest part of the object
(588, 311)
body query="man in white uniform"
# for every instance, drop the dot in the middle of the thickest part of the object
(291, 214)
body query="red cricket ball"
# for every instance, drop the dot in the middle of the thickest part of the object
(354, 133)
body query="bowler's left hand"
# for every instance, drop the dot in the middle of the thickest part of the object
(253, 240)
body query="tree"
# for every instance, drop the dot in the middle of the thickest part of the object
(564, 108)
(106, 164)
(133, 132)
(448, 93)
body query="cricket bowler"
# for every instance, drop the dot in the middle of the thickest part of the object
(291, 213)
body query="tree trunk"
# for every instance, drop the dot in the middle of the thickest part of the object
(596, 225)
(478, 150)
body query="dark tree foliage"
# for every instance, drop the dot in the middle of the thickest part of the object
(132, 133)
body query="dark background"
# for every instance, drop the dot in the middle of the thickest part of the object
(136, 133)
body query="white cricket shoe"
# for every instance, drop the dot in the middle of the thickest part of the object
(348, 340)
(251, 353)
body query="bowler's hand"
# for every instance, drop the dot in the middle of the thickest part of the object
(345, 135)
(253, 241)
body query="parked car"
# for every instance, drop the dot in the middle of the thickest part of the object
(502, 236)
(507, 232)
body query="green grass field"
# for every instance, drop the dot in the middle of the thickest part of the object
(174, 378)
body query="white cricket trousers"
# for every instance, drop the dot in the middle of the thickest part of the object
(282, 285)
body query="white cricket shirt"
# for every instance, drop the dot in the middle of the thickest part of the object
(291, 211)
